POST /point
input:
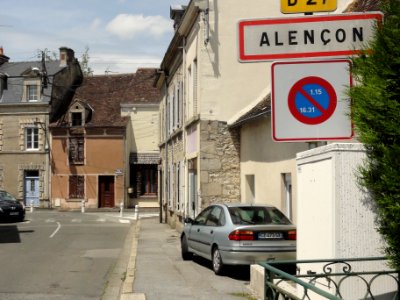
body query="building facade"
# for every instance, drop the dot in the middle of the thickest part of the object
(31, 94)
(105, 145)
(206, 90)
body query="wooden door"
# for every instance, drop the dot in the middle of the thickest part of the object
(106, 191)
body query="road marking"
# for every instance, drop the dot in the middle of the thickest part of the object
(55, 231)
(50, 220)
(76, 221)
(100, 220)
(124, 221)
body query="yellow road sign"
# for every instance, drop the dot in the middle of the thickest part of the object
(307, 6)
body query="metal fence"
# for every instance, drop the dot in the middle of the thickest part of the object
(360, 278)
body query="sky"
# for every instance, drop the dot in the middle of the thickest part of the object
(121, 35)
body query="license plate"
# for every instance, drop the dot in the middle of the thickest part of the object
(270, 235)
(14, 213)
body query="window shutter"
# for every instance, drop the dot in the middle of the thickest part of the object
(73, 187)
(180, 120)
(195, 104)
(182, 184)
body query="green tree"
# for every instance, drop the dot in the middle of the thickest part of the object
(86, 69)
(376, 116)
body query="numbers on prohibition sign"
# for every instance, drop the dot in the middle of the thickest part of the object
(312, 100)
(311, 109)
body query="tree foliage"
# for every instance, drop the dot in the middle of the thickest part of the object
(376, 116)
(86, 69)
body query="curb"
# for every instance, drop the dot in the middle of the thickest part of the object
(127, 285)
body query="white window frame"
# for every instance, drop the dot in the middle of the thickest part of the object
(32, 92)
(32, 138)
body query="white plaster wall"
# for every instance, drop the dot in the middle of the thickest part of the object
(226, 85)
(144, 128)
(268, 160)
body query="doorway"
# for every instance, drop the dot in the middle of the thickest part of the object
(106, 191)
(31, 185)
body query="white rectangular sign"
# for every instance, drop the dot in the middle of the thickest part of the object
(306, 36)
(309, 100)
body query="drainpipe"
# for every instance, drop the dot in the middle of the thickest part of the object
(166, 199)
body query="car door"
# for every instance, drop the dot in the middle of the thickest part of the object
(197, 228)
(207, 233)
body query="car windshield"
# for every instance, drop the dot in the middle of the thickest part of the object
(257, 215)
(6, 196)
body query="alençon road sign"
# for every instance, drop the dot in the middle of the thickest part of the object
(309, 100)
(306, 36)
(307, 6)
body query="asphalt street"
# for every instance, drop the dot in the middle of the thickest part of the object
(60, 255)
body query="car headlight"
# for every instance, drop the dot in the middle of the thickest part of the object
(1, 210)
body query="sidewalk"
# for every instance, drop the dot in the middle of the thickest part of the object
(156, 270)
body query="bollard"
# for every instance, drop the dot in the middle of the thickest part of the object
(82, 206)
(121, 209)
(136, 212)
(31, 205)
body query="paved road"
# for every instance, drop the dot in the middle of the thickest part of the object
(59, 255)
(162, 274)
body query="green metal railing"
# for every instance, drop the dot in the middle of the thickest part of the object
(281, 285)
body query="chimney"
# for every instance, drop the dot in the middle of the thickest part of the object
(3, 58)
(67, 56)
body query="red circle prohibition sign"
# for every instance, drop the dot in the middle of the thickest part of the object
(321, 100)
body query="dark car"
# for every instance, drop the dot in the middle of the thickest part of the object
(239, 234)
(11, 208)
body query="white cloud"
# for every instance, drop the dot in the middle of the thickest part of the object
(128, 26)
(121, 63)
(95, 24)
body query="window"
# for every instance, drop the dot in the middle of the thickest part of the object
(250, 189)
(76, 119)
(32, 92)
(76, 150)
(149, 180)
(32, 138)
(76, 187)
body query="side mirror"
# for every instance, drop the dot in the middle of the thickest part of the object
(188, 221)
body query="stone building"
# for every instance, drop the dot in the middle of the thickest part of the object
(207, 93)
(31, 95)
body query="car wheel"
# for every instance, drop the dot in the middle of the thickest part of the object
(217, 263)
(186, 254)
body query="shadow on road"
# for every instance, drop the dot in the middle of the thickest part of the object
(10, 233)
(235, 272)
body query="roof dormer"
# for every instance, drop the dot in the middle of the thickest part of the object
(79, 114)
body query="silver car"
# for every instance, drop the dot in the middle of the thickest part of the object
(239, 234)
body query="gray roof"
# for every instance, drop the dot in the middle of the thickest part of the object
(15, 80)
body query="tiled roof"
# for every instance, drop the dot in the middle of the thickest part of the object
(15, 81)
(260, 109)
(144, 158)
(105, 94)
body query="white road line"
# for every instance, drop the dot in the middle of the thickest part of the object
(55, 231)
(124, 221)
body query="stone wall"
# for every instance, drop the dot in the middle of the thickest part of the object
(219, 163)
